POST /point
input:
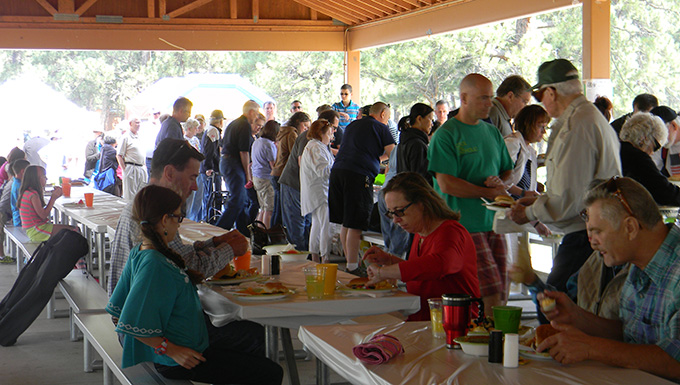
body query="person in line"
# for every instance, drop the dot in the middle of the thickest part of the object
(131, 160)
(641, 136)
(625, 226)
(209, 174)
(92, 149)
(171, 127)
(107, 179)
(315, 170)
(269, 110)
(442, 109)
(175, 166)
(295, 106)
(159, 312)
(413, 142)
(530, 124)
(264, 157)
(605, 106)
(195, 201)
(442, 257)
(469, 160)
(35, 214)
(511, 96)
(667, 159)
(201, 126)
(641, 103)
(346, 108)
(366, 142)
(581, 147)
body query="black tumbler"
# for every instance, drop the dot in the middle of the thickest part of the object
(496, 347)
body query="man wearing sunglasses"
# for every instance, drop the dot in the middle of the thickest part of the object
(581, 147)
(346, 107)
(625, 226)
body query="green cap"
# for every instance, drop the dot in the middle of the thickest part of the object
(555, 71)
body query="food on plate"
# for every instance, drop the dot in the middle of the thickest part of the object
(543, 332)
(548, 304)
(360, 283)
(481, 327)
(229, 272)
(253, 288)
(503, 200)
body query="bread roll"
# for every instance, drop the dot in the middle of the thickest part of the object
(543, 332)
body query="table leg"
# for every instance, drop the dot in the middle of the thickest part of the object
(88, 257)
(323, 376)
(271, 335)
(100, 244)
(87, 355)
(293, 375)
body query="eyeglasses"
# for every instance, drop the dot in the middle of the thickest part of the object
(344, 93)
(398, 212)
(612, 188)
(296, 107)
(539, 93)
(180, 217)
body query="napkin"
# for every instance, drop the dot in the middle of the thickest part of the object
(379, 349)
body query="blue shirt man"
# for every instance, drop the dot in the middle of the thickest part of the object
(347, 109)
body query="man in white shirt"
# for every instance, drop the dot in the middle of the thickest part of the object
(131, 158)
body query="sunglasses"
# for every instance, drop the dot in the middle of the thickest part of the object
(538, 95)
(180, 217)
(297, 107)
(344, 93)
(612, 188)
(398, 212)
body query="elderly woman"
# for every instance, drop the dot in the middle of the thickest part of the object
(442, 257)
(642, 135)
(195, 200)
(190, 129)
(530, 124)
(315, 173)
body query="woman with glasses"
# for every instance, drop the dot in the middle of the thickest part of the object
(315, 173)
(642, 135)
(442, 257)
(160, 314)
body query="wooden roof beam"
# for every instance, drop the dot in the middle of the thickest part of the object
(151, 8)
(187, 8)
(378, 6)
(233, 11)
(335, 6)
(256, 10)
(66, 6)
(363, 8)
(401, 3)
(86, 5)
(47, 6)
(342, 16)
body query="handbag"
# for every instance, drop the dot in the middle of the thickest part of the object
(261, 236)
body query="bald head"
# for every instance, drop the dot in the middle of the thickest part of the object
(476, 93)
(380, 111)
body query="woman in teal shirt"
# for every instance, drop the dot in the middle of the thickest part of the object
(159, 311)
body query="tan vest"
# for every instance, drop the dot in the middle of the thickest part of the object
(605, 304)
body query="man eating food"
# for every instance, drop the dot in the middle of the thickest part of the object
(625, 226)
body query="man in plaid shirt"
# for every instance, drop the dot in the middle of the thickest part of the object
(625, 226)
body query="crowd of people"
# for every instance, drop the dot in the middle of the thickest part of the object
(614, 276)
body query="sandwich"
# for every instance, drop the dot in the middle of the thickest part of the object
(543, 332)
(504, 201)
(548, 304)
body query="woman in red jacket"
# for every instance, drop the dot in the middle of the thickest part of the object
(442, 257)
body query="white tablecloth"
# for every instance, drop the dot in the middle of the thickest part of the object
(427, 361)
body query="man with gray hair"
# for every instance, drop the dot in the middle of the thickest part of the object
(581, 147)
(625, 226)
(511, 96)
(132, 160)
(235, 164)
(350, 195)
(667, 159)
(269, 110)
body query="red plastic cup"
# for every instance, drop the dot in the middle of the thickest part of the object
(89, 199)
(66, 187)
(242, 262)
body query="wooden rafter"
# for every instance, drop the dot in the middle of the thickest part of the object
(256, 10)
(401, 3)
(233, 11)
(333, 10)
(372, 12)
(83, 8)
(379, 6)
(162, 8)
(321, 7)
(66, 6)
(187, 8)
(151, 8)
(313, 14)
(48, 7)
(412, 2)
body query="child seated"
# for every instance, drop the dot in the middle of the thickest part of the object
(32, 209)
(18, 168)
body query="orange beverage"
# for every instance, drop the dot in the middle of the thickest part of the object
(89, 199)
(66, 187)
(242, 262)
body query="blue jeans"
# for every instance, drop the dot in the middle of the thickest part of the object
(297, 226)
(235, 179)
(276, 216)
(397, 240)
(249, 213)
(195, 210)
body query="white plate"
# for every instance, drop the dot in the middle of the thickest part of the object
(233, 281)
(260, 297)
(494, 207)
(368, 290)
(529, 353)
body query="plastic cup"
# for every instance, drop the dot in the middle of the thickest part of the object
(436, 317)
(329, 279)
(506, 318)
(89, 199)
(66, 187)
(242, 262)
(314, 281)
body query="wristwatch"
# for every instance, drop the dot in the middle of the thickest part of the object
(162, 348)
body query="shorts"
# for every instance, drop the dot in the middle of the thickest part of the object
(492, 256)
(350, 199)
(265, 193)
(40, 233)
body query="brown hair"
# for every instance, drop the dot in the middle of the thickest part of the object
(528, 117)
(416, 190)
(270, 130)
(150, 205)
(318, 128)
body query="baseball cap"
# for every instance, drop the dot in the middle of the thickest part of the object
(666, 113)
(217, 114)
(555, 71)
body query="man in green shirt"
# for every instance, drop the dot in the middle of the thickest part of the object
(469, 161)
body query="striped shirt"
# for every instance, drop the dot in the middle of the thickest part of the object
(650, 299)
(352, 110)
(29, 218)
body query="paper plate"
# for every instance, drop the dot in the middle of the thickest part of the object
(531, 354)
(495, 207)
(368, 290)
(260, 297)
(232, 281)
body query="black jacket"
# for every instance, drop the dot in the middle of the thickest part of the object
(636, 164)
(412, 153)
(211, 151)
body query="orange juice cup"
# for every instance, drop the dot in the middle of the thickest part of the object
(66, 187)
(329, 280)
(89, 199)
(242, 262)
